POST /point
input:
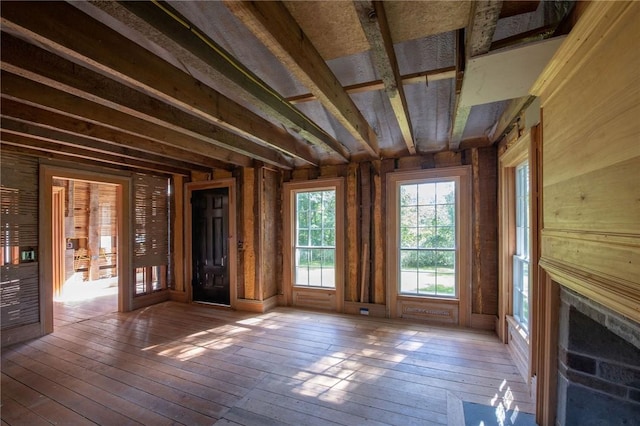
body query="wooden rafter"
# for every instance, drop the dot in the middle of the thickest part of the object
(41, 66)
(18, 88)
(274, 26)
(374, 23)
(93, 47)
(112, 140)
(483, 20)
(424, 77)
(180, 36)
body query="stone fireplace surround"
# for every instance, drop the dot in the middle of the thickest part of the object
(598, 364)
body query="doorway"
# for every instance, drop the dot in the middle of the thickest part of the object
(210, 249)
(85, 249)
(55, 222)
(210, 242)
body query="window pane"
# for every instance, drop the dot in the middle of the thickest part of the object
(315, 238)
(408, 195)
(408, 259)
(426, 237)
(328, 237)
(446, 237)
(303, 219)
(445, 214)
(427, 215)
(426, 194)
(445, 192)
(408, 216)
(303, 238)
(408, 237)
(302, 201)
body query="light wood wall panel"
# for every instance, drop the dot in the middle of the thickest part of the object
(590, 97)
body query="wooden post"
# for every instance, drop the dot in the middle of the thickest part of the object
(248, 224)
(351, 286)
(365, 223)
(178, 233)
(93, 233)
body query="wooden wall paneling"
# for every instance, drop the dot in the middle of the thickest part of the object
(353, 234)
(591, 155)
(365, 232)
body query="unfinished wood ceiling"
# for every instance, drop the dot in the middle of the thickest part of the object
(176, 87)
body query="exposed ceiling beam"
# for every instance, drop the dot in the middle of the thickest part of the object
(19, 88)
(90, 43)
(38, 65)
(32, 152)
(17, 126)
(274, 26)
(373, 20)
(423, 77)
(483, 20)
(178, 35)
(56, 146)
(116, 141)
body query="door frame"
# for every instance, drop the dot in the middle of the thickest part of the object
(49, 171)
(229, 183)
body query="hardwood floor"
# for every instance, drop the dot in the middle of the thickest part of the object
(187, 364)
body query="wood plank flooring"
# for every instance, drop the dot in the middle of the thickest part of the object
(175, 363)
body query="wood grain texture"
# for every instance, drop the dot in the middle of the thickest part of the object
(183, 364)
(591, 160)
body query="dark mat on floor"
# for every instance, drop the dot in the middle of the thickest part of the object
(485, 415)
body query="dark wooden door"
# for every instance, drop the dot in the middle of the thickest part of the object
(210, 232)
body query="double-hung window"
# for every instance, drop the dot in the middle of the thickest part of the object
(521, 255)
(427, 225)
(315, 238)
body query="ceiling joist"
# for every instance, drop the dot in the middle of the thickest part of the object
(483, 20)
(219, 65)
(141, 69)
(114, 141)
(43, 67)
(374, 23)
(21, 89)
(274, 26)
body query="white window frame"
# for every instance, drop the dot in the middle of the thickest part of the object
(521, 255)
(310, 296)
(453, 310)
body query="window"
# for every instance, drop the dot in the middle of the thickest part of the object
(427, 228)
(429, 244)
(521, 254)
(315, 238)
(313, 253)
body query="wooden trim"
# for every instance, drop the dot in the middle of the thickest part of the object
(233, 231)
(257, 306)
(124, 195)
(462, 175)
(547, 351)
(422, 77)
(483, 321)
(599, 18)
(291, 292)
(615, 293)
